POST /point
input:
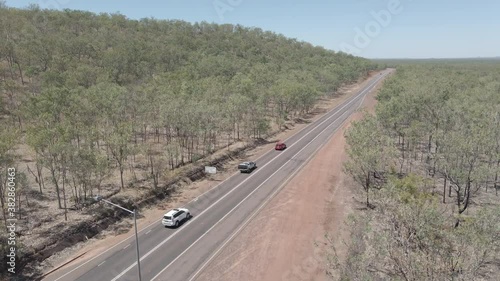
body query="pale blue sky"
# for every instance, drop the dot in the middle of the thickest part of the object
(416, 28)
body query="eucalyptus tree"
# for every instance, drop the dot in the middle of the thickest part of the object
(156, 162)
(283, 90)
(463, 149)
(52, 143)
(49, 131)
(370, 152)
(236, 107)
(87, 167)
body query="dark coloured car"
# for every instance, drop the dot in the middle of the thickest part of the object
(280, 146)
(247, 167)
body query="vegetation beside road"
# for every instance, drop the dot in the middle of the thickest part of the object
(94, 103)
(429, 164)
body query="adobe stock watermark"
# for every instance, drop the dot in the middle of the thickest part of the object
(381, 19)
(223, 6)
(11, 220)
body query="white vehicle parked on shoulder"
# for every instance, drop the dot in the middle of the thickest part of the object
(175, 217)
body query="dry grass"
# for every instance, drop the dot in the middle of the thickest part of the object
(42, 217)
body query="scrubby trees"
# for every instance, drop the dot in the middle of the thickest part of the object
(408, 237)
(98, 93)
(443, 119)
(369, 153)
(92, 98)
(445, 116)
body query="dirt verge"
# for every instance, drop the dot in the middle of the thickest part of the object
(183, 190)
(286, 240)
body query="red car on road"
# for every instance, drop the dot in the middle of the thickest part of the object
(280, 146)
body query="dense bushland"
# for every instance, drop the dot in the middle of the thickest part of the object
(430, 158)
(91, 91)
(86, 96)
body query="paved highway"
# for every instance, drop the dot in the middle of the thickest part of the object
(180, 254)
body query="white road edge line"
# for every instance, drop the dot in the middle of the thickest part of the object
(194, 200)
(234, 188)
(264, 203)
(133, 236)
(267, 200)
(244, 199)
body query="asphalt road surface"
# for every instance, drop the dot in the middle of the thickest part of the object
(180, 254)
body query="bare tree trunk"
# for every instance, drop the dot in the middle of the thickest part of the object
(39, 168)
(434, 167)
(37, 180)
(77, 197)
(64, 195)
(20, 73)
(467, 197)
(56, 184)
(85, 188)
(449, 190)
(192, 148)
(429, 144)
(215, 141)
(20, 123)
(367, 186)
(402, 154)
(496, 179)
(10, 60)
(121, 175)
(496, 186)
(234, 131)
(444, 190)
(3, 185)
(26, 197)
(151, 164)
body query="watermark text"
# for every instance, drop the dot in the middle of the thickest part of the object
(223, 6)
(11, 220)
(364, 36)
